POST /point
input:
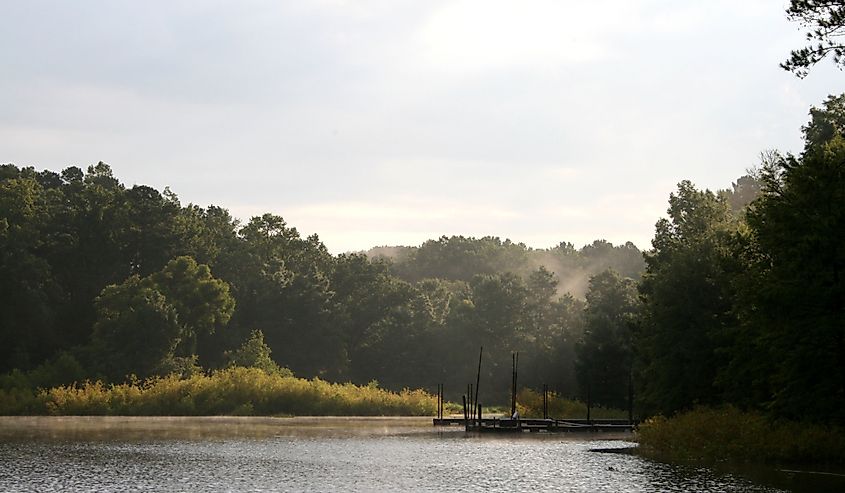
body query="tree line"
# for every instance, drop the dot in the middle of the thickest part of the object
(99, 280)
(747, 308)
(740, 299)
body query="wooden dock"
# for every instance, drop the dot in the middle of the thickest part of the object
(508, 425)
(473, 421)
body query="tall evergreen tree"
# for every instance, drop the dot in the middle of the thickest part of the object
(687, 304)
(795, 303)
(604, 354)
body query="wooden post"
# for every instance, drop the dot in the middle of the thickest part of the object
(589, 401)
(515, 379)
(630, 397)
(513, 383)
(440, 401)
(466, 415)
(478, 375)
(471, 403)
(479, 416)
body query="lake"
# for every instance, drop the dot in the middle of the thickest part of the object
(120, 454)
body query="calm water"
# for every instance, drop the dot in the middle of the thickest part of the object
(278, 454)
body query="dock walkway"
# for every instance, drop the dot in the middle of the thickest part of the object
(536, 425)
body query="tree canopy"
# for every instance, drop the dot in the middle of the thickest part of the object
(749, 309)
(740, 300)
(129, 281)
(824, 21)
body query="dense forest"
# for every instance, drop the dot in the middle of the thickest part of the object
(748, 309)
(460, 259)
(104, 281)
(740, 299)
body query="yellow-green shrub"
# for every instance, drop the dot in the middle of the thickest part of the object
(235, 390)
(529, 403)
(726, 433)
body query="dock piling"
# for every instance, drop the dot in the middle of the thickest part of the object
(545, 401)
(478, 376)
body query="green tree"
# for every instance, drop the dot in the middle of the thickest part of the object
(399, 347)
(255, 353)
(30, 297)
(825, 21)
(743, 191)
(460, 258)
(99, 234)
(364, 295)
(203, 302)
(148, 233)
(136, 330)
(144, 323)
(601, 255)
(825, 123)
(795, 301)
(687, 294)
(552, 325)
(493, 317)
(208, 235)
(281, 283)
(604, 354)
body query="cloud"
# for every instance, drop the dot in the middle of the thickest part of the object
(394, 121)
(467, 36)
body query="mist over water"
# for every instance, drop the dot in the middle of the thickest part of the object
(322, 454)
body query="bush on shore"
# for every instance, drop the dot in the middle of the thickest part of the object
(728, 434)
(529, 403)
(232, 391)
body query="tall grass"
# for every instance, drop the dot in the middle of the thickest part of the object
(233, 391)
(529, 403)
(728, 434)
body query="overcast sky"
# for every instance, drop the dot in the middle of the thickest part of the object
(392, 122)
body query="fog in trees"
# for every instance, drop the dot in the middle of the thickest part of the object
(739, 300)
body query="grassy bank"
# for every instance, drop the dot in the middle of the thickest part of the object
(728, 434)
(233, 391)
(529, 403)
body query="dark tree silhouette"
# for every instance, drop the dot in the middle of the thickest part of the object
(825, 22)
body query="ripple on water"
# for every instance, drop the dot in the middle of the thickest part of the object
(382, 462)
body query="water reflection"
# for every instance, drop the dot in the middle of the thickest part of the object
(133, 428)
(324, 454)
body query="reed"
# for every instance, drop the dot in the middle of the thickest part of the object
(529, 404)
(235, 390)
(729, 434)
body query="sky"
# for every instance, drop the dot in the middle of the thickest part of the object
(392, 122)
